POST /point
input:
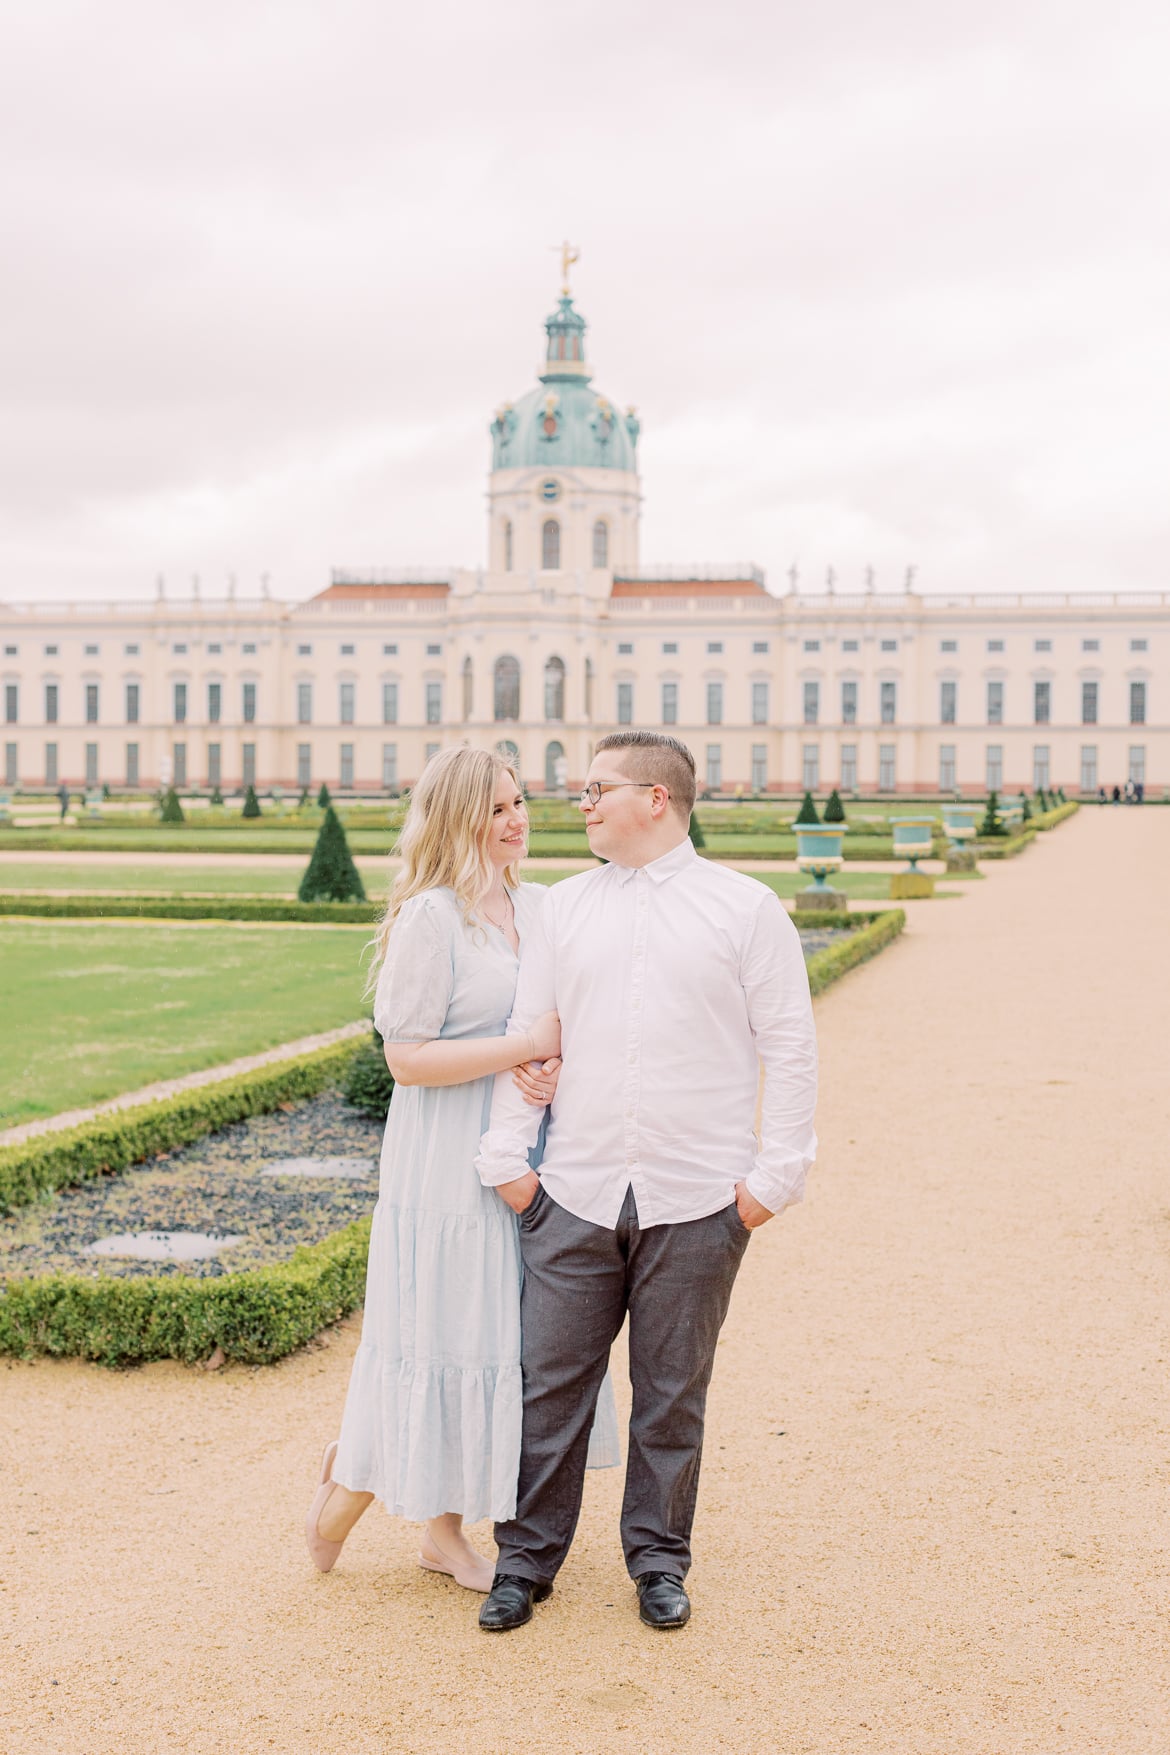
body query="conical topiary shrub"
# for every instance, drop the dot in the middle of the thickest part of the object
(808, 810)
(172, 810)
(216, 796)
(695, 831)
(834, 810)
(251, 803)
(323, 798)
(992, 823)
(332, 875)
(303, 800)
(1026, 816)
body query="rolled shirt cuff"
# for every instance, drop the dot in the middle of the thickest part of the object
(502, 1157)
(778, 1186)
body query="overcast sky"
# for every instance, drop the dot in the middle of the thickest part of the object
(888, 283)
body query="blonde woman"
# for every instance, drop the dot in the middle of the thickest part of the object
(432, 1417)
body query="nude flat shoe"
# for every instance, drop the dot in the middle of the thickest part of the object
(323, 1553)
(432, 1559)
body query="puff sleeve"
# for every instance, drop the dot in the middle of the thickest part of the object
(414, 988)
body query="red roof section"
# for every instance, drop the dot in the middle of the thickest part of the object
(387, 593)
(687, 588)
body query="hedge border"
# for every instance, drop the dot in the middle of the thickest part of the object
(1048, 819)
(120, 1137)
(29, 903)
(882, 927)
(256, 1316)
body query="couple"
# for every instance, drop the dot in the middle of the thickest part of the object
(666, 980)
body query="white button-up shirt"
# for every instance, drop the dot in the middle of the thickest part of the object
(674, 983)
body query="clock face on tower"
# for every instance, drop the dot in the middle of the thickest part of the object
(550, 490)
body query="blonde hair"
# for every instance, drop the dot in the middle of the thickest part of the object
(444, 837)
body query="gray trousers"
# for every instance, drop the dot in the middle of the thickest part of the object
(580, 1280)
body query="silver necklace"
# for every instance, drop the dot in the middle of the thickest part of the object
(509, 913)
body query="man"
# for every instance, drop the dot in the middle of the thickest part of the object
(674, 978)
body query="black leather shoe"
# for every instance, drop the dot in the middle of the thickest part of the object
(662, 1601)
(510, 1601)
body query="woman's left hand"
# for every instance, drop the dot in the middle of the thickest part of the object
(537, 1080)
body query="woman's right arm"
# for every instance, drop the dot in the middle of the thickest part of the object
(458, 1062)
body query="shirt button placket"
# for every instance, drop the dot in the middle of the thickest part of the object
(634, 1037)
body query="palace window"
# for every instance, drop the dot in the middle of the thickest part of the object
(550, 546)
(849, 703)
(810, 766)
(389, 703)
(508, 546)
(345, 704)
(1088, 703)
(1137, 703)
(625, 703)
(214, 702)
(601, 543)
(11, 703)
(759, 703)
(759, 766)
(889, 708)
(1137, 763)
(132, 764)
(132, 703)
(946, 767)
(304, 764)
(179, 763)
(1040, 754)
(434, 703)
(887, 767)
(506, 688)
(304, 703)
(714, 703)
(849, 767)
(948, 692)
(714, 766)
(214, 764)
(248, 703)
(51, 703)
(1041, 703)
(389, 766)
(248, 751)
(670, 703)
(468, 689)
(91, 705)
(812, 704)
(346, 766)
(1088, 767)
(995, 704)
(994, 762)
(554, 689)
(180, 713)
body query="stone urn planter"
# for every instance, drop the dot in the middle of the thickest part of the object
(913, 840)
(961, 824)
(819, 852)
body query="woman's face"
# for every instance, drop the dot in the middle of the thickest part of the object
(508, 834)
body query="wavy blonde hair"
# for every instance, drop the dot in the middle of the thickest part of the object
(444, 838)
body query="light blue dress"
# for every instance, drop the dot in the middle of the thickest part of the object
(433, 1413)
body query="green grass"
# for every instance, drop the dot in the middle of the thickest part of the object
(219, 879)
(97, 1010)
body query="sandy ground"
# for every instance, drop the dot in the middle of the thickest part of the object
(933, 1518)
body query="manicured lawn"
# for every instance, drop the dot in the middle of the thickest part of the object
(92, 1011)
(211, 879)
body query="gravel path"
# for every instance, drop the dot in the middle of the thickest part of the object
(934, 1511)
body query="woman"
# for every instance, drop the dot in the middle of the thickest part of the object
(432, 1417)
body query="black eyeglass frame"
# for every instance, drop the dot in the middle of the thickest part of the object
(592, 793)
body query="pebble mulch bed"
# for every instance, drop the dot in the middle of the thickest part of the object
(820, 938)
(218, 1185)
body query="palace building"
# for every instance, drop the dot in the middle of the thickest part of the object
(563, 635)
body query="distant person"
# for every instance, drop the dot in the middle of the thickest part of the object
(1101, 798)
(1139, 791)
(63, 800)
(433, 1413)
(1129, 792)
(1117, 795)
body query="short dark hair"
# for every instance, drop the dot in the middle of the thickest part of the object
(653, 755)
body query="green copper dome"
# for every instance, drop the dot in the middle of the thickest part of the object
(564, 423)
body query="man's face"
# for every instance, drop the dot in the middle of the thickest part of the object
(620, 825)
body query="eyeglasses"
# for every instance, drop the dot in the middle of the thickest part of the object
(591, 794)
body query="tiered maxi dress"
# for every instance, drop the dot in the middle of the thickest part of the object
(433, 1413)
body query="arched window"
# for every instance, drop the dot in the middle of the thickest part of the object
(508, 546)
(550, 546)
(510, 753)
(601, 543)
(554, 753)
(589, 688)
(507, 688)
(554, 689)
(468, 689)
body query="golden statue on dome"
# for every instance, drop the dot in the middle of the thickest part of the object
(569, 254)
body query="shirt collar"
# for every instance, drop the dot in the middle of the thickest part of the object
(667, 866)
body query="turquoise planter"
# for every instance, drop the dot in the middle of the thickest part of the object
(960, 821)
(819, 851)
(913, 838)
